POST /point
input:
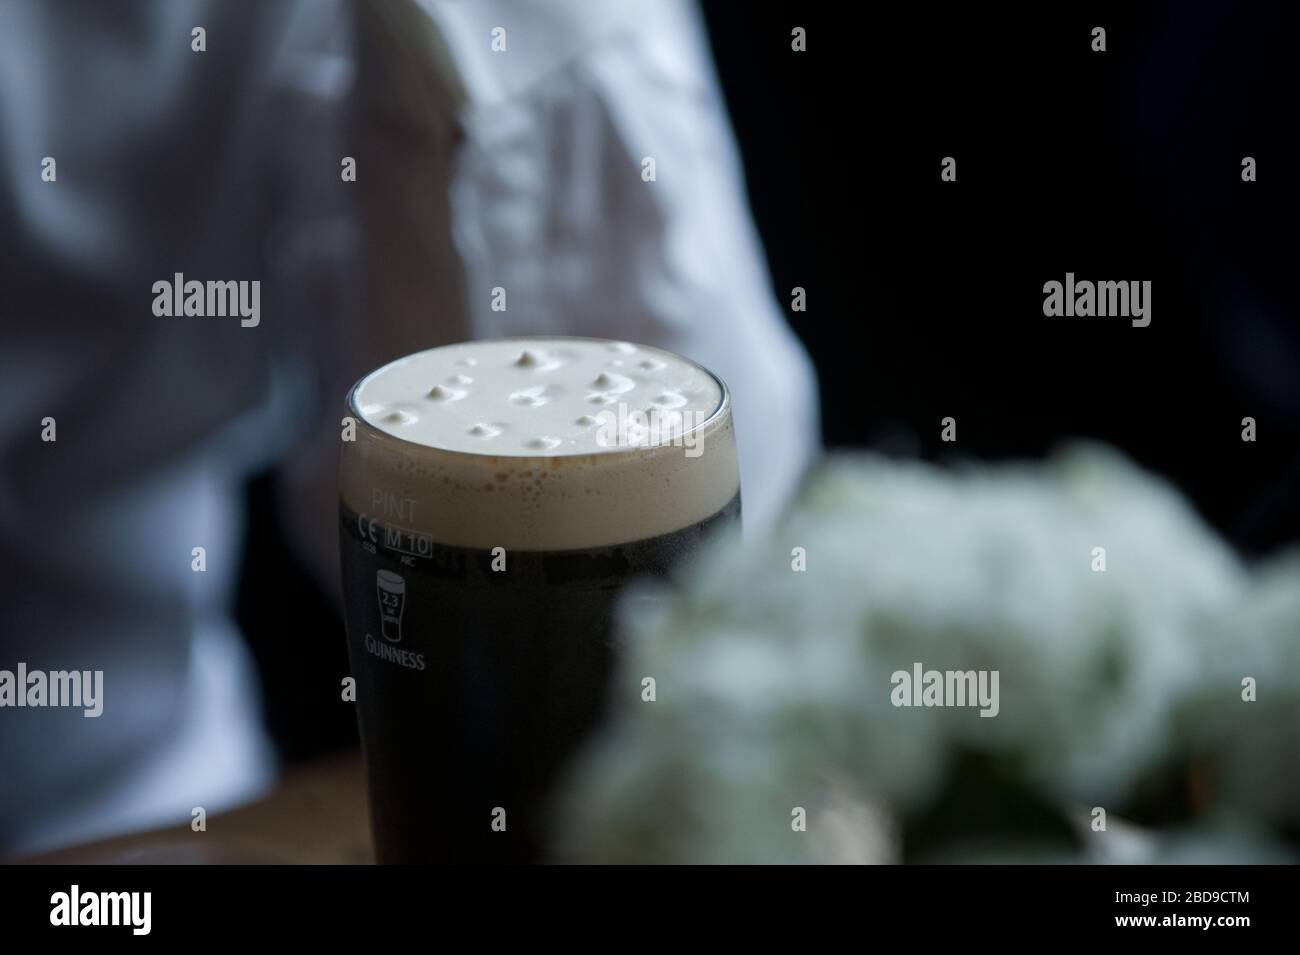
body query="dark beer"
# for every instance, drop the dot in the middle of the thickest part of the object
(480, 575)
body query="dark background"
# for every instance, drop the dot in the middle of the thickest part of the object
(925, 297)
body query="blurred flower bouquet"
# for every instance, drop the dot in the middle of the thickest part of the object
(1147, 683)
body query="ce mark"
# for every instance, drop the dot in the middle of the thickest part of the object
(366, 527)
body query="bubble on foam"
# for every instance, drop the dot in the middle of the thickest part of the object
(543, 443)
(460, 380)
(668, 400)
(398, 416)
(623, 348)
(586, 421)
(538, 360)
(532, 397)
(612, 383)
(650, 364)
(484, 430)
(446, 393)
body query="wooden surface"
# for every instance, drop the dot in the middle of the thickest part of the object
(315, 816)
(318, 816)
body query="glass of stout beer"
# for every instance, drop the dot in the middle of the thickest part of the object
(496, 499)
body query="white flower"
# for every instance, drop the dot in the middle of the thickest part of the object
(773, 686)
(1246, 737)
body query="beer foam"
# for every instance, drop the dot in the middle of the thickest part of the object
(509, 443)
(529, 397)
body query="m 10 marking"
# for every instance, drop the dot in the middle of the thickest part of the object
(402, 540)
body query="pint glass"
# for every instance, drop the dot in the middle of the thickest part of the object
(497, 498)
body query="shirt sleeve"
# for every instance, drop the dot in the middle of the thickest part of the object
(599, 186)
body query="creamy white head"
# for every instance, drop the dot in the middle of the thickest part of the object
(541, 443)
(536, 396)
